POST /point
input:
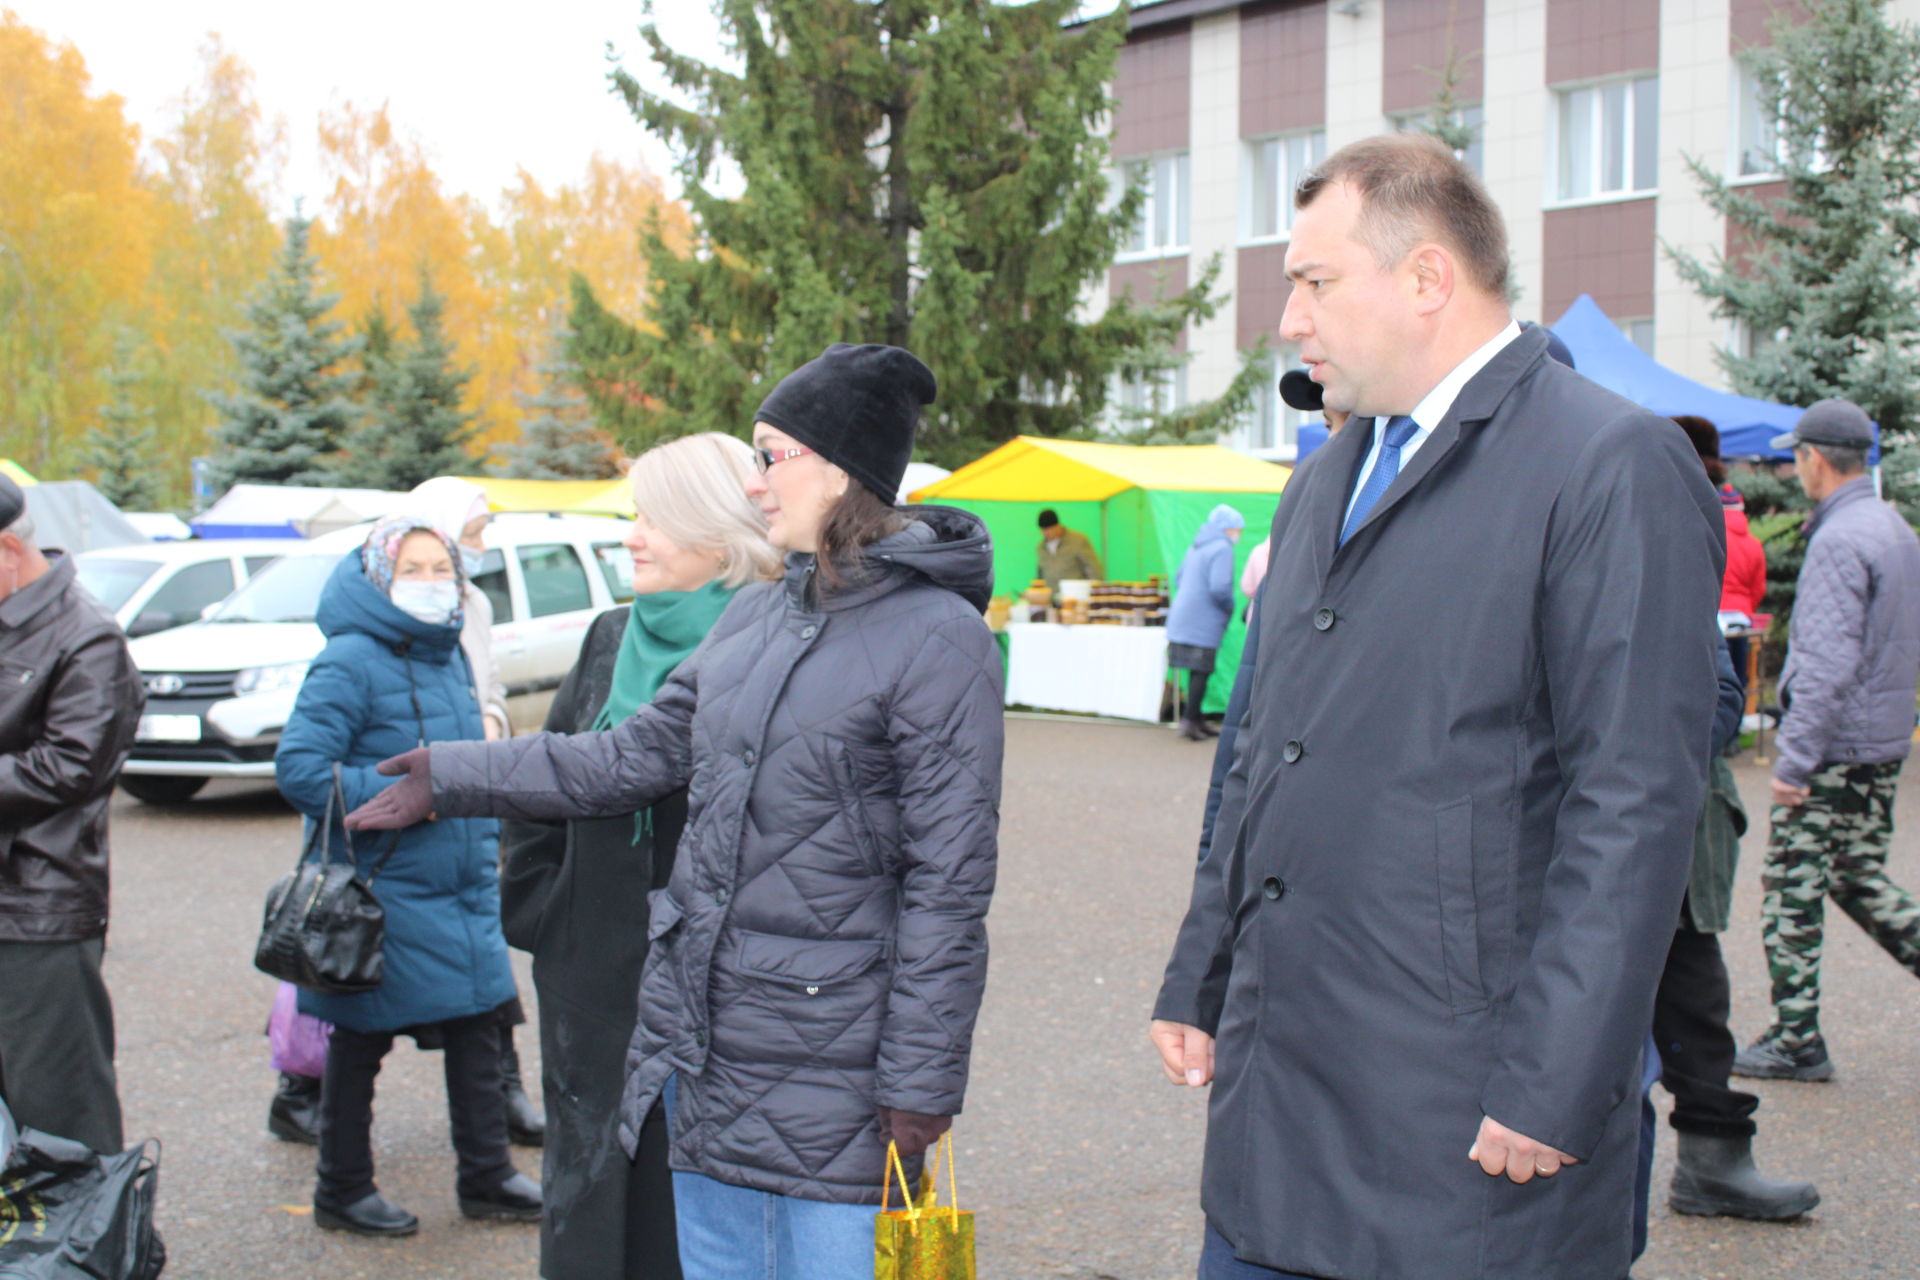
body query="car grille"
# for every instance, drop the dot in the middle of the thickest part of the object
(189, 684)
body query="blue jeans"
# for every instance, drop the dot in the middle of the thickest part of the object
(738, 1233)
(1218, 1263)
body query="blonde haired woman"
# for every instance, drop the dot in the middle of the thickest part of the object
(576, 892)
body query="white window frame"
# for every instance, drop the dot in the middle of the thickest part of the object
(1159, 391)
(1285, 180)
(1629, 132)
(1180, 220)
(1626, 326)
(1475, 156)
(1744, 117)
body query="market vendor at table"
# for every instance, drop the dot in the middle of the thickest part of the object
(1065, 553)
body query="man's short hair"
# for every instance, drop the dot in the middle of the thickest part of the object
(1048, 519)
(22, 527)
(1412, 188)
(1843, 458)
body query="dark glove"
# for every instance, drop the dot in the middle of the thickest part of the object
(406, 802)
(912, 1132)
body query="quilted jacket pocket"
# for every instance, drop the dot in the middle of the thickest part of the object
(807, 962)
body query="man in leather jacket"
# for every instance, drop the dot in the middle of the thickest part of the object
(70, 699)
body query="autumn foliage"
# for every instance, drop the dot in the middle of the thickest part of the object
(104, 234)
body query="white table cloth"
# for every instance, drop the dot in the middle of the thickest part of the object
(1109, 671)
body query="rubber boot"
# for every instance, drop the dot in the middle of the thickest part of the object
(1717, 1176)
(294, 1115)
(524, 1125)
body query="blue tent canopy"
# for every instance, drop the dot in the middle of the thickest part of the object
(1608, 356)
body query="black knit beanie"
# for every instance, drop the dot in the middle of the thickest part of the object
(12, 501)
(857, 407)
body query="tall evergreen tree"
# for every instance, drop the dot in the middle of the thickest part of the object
(121, 448)
(414, 427)
(927, 173)
(291, 410)
(558, 437)
(1828, 279)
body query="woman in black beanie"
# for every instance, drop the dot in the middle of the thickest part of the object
(819, 955)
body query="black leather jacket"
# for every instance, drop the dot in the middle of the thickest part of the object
(70, 700)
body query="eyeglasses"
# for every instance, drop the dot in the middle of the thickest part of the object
(767, 457)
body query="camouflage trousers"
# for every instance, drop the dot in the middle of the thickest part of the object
(1834, 845)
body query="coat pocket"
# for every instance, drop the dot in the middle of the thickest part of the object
(1457, 906)
(811, 964)
(803, 1002)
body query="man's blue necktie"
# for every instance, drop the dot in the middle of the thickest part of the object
(1385, 468)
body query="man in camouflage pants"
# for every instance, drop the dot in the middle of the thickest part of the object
(1852, 662)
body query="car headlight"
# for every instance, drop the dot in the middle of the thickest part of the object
(286, 675)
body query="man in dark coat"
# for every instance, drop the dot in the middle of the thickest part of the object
(70, 700)
(1455, 838)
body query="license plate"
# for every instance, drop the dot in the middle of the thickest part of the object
(168, 729)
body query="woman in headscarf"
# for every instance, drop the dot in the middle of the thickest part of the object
(392, 676)
(817, 959)
(575, 893)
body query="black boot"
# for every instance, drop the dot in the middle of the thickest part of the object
(371, 1215)
(294, 1115)
(518, 1199)
(524, 1125)
(1717, 1176)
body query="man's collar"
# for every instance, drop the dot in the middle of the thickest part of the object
(1858, 487)
(1432, 409)
(17, 609)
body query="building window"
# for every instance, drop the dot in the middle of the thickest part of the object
(1271, 425)
(1468, 118)
(1274, 166)
(1756, 137)
(1639, 331)
(1609, 139)
(1145, 394)
(1162, 227)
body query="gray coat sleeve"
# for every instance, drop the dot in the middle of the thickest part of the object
(1634, 556)
(1829, 630)
(554, 776)
(947, 729)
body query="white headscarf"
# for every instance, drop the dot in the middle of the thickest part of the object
(448, 503)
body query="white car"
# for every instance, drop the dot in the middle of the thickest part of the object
(219, 691)
(160, 585)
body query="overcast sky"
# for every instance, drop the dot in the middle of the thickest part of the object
(484, 97)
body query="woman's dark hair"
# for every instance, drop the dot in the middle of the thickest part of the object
(1706, 442)
(858, 518)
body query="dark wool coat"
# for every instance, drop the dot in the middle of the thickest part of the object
(822, 945)
(384, 681)
(575, 895)
(1452, 850)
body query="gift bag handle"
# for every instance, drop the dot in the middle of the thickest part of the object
(906, 1193)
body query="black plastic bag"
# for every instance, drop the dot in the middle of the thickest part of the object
(69, 1213)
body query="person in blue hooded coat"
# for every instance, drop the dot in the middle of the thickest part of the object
(1202, 607)
(391, 677)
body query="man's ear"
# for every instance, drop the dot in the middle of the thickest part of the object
(1433, 277)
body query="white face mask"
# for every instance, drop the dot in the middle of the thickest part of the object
(471, 560)
(432, 602)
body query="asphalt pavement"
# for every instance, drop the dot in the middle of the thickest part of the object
(1078, 1159)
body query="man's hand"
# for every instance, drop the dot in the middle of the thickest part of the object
(1788, 796)
(912, 1132)
(1500, 1150)
(1186, 1053)
(406, 802)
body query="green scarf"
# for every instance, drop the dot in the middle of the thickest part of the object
(665, 627)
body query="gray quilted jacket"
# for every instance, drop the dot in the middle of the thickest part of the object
(1853, 648)
(821, 948)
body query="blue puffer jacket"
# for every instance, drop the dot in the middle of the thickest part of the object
(1203, 589)
(445, 956)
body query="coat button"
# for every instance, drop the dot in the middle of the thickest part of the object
(1322, 619)
(809, 631)
(721, 895)
(1273, 887)
(749, 757)
(813, 991)
(1292, 751)
(700, 1039)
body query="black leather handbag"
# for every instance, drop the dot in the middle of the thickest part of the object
(324, 930)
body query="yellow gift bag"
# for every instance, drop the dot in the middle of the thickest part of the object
(922, 1241)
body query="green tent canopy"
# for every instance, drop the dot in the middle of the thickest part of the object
(1140, 504)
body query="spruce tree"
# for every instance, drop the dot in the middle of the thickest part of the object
(121, 448)
(414, 427)
(927, 173)
(287, 418)
(558, 437)
(1829, 277)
